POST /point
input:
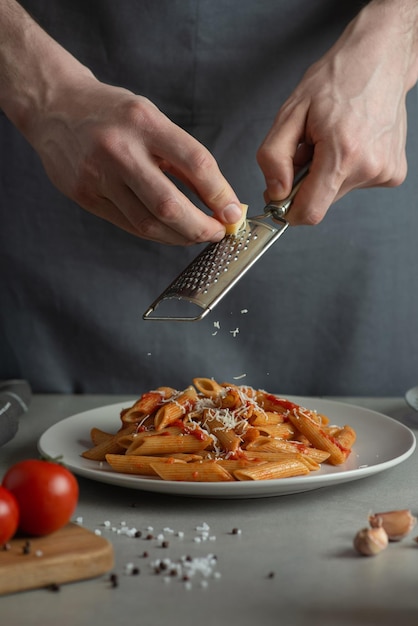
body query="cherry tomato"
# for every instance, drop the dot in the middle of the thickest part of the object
(46, 492)
(9, 515)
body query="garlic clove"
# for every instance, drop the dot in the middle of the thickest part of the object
(397, 524)
(370, 541)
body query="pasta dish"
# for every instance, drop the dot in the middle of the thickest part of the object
(219, 432)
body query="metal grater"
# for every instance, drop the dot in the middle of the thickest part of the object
(209, 277)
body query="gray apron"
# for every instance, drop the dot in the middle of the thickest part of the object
(330, 310)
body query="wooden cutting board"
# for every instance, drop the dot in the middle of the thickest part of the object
(69, 554)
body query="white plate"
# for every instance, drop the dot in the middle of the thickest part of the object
(381, 443)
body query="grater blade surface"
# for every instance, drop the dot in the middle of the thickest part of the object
(210, 276)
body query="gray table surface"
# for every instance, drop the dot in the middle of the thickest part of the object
(304, 539)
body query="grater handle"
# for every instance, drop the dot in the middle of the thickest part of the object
(279, 208)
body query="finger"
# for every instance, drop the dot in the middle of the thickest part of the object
(126, 211)
(276, 155)
(167, 205)
(105, 209)
(195, 165)
(318, 191)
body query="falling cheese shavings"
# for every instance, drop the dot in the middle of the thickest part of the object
(234, 332)
(244, 311)
(239, 377)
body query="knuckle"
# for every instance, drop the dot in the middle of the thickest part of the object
(312, 218)
(264, 156)
(270, 157)
(373, 169)
(84, 187)
(139, 111)
(350, 150)
(204, 235)
(398, 178)
(169, 210)
(202, 163)
(398, 174)
(147, 228)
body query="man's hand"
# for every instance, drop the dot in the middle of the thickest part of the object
(347, 115)
(111, 151)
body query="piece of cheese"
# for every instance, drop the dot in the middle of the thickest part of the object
(232, 229)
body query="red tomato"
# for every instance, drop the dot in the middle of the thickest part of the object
(9, 515)
(46, 492)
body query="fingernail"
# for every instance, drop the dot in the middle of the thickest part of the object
(218, 236)
(232, 213)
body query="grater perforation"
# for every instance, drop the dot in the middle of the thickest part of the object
(219, 266)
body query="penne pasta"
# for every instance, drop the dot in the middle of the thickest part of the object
(208, 387)
(111, 445)
(200, 471)
(212, 432)
(273, 469)
(218, 424)
(141, 465)
(147, 404)
(311, 463)
(260, 417)
(319, 437)
(277, 431)
(167, 443)
(98, 436)
(175, 409)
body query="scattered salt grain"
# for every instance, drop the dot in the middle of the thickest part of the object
(39, 553)
(97, 532)
(244, 311)
(186, 568)
(79, 520)
(129, 568)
